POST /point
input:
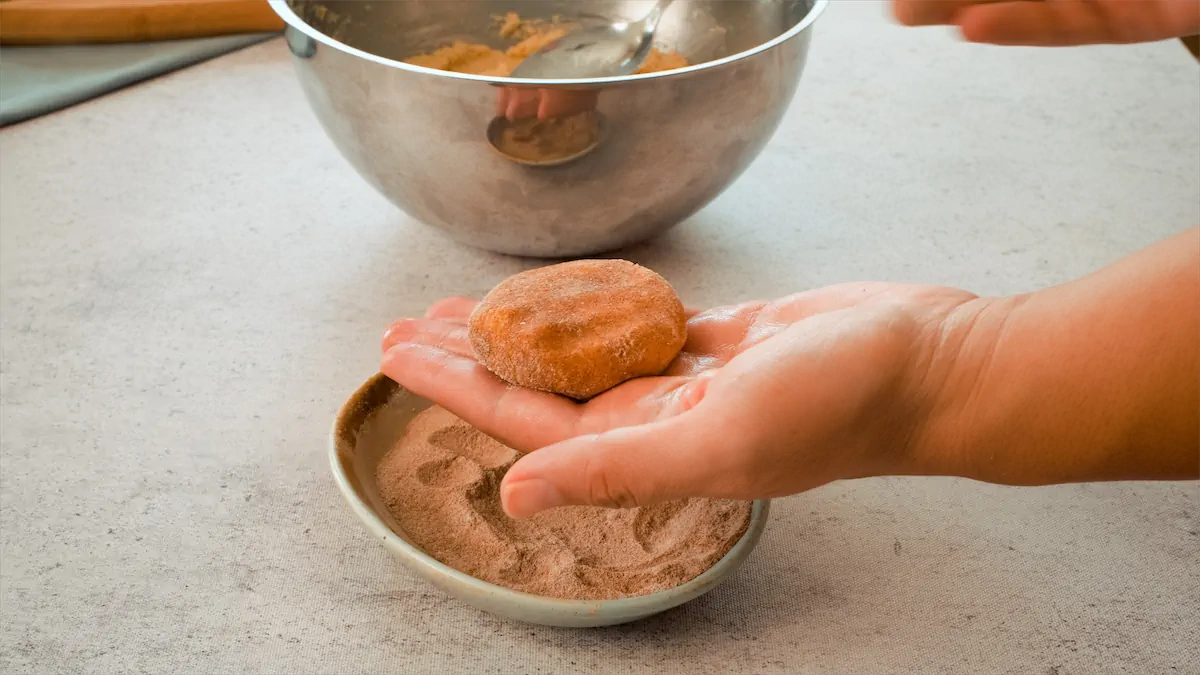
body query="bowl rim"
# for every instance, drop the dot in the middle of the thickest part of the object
(398, 546)
(294, 21)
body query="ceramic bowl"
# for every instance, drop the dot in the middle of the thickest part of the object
(366, 428)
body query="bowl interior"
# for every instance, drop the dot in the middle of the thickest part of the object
(361, 446)
(370, 423)
(701, 30)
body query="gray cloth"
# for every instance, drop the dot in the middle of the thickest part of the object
(39, 80)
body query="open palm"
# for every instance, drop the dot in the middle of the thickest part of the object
(767, 398)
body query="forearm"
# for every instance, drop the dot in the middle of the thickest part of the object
(1097, 379)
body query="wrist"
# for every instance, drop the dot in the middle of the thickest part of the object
(961, 351)
(1090, 380)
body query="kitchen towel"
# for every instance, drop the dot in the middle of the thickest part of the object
(42, 79)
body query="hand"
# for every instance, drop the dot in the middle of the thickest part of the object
(1056, 23)
(767, 399)
(516, 103)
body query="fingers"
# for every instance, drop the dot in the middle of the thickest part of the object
(1060, 23)
(928, 12)
(502, 96)
(444, 327)
(684, 456)
(1057, 23)
(517, 103)
(433, 358)
(514, 104)
(560, 103)
(456, 310)
(443, 335)
(523, 419)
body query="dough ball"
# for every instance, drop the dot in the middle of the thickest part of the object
(579, 328)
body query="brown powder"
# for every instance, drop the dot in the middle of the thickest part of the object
(441, 482)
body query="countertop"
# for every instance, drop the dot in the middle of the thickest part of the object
(193, 280)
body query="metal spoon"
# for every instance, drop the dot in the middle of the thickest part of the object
(604, 51)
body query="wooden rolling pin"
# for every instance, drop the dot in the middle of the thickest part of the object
(43, 22)
(1192, 42)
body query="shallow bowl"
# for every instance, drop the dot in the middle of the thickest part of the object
(674, 140)
(374, 419)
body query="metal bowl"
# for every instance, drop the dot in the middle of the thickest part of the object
(374, 419)
(673, 141)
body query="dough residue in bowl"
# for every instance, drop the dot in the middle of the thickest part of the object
(441, 482)
(478, 59)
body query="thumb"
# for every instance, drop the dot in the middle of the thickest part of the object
(633, 466)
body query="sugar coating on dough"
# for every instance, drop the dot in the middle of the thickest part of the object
(579, 328)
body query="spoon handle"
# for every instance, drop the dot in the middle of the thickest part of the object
(651, 20)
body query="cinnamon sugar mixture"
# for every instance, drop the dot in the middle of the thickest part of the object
(441, 482)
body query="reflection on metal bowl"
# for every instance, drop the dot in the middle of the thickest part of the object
(670, 142)
(547, 143)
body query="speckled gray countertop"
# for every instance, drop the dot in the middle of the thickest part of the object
(193, 280)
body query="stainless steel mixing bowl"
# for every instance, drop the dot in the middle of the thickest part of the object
(671, 141)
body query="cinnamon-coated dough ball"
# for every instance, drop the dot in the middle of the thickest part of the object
(579, 328)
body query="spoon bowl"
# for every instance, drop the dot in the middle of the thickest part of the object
(552, 157)
(610, 50)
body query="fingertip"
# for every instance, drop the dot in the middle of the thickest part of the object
(925, 12)
(903, 11)
(528, 497)
(522, 103)
(519, 418)
(410, 364)
(614, 469)
(398, 331)
(529, 485)
(969, 34)
(911, 13)
(1039, 24)
(393, 356)
(976, 27)
(457, 309)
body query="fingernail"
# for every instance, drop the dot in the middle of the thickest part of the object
(394, 332)
(401, 330)
(527, 497)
